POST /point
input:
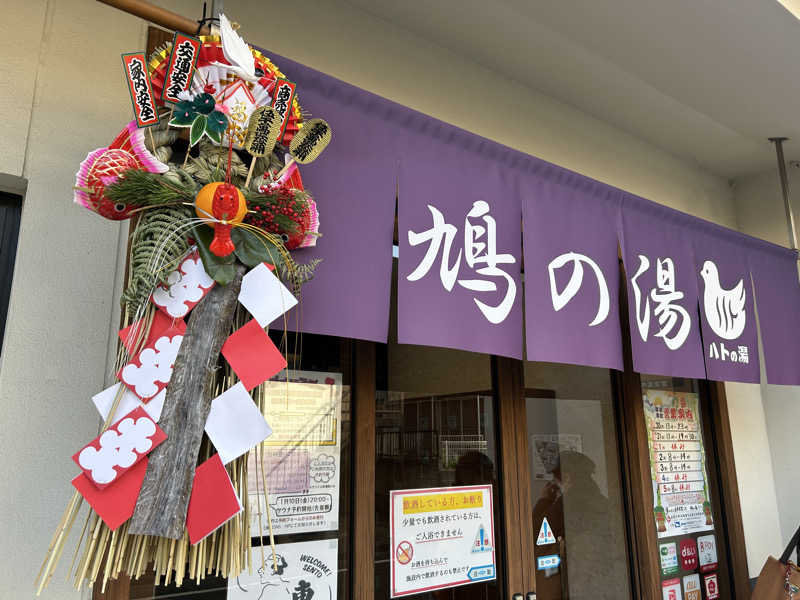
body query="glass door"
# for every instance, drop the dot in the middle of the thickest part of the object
(577, 518)
(692, 546)
(437, 497)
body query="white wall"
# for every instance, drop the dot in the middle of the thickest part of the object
(63, 95)
(760, 211)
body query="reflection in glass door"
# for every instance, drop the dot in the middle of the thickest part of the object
(578, 514)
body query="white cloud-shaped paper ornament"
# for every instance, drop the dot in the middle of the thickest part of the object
(186, 286)
(119, 448)
(154, 370)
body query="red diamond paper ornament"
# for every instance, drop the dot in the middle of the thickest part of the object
(252, 355)
(213, 501)
(114, 504)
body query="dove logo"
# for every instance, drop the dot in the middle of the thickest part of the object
(724, 309)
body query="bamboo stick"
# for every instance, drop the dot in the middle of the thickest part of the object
(56, 535)
(78, 545)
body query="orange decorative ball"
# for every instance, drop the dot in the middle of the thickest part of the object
(204, 203)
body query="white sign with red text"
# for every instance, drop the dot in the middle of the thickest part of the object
(441, 538)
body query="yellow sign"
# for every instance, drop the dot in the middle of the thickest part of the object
(436, 502)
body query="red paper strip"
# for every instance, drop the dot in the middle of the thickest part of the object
(150, 370)
(180, 70)
(213, 500)
(282, 98)
(252, 355)
(118, 449)
(144, 105)
(161, 323)
(114, 504)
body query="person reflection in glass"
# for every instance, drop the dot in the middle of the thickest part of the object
(475, 468)
(578, 514)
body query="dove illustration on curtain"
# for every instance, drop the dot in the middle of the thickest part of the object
(724, 309)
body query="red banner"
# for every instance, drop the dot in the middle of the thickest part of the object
(282, 102)
(181, 66)
(144, 106)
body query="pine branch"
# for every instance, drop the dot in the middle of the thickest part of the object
(142, 188)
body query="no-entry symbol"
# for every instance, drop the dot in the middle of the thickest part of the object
(404, 552)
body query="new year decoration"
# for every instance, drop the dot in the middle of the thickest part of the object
(216, 203)
(309, 143)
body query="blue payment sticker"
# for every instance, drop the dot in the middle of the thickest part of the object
(480, 573)
(551, 561)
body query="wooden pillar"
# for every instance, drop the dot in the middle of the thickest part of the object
(363, 581)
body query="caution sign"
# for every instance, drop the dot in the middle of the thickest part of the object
(481, 543)
(546, 536)
(441, 538)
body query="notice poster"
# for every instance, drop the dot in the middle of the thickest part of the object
(441, 538)
(305, 571)
(547, 448)
(677, 463)
(300, 461)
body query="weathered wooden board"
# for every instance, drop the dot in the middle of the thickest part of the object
(164, 498)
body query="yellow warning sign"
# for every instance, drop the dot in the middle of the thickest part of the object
(436, 502)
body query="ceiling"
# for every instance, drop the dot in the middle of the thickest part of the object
(706, 80)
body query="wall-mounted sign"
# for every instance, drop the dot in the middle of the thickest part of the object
(302, 571)
(677, 464)
(300, 460)
(441, 538)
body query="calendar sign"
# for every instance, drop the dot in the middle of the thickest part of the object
(677, 464)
